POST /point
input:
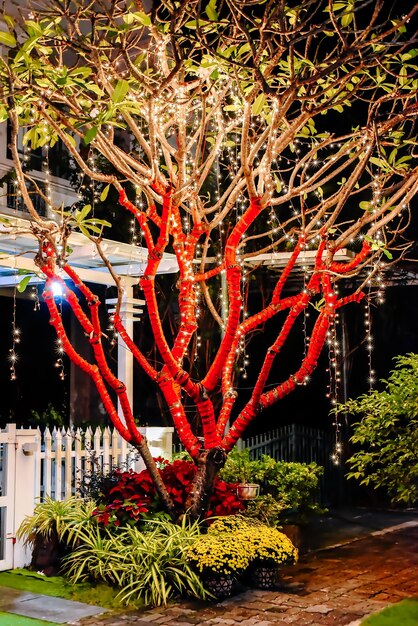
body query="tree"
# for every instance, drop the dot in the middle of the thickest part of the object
(241, 143)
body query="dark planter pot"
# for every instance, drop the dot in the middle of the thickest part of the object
(221, 586)
(263, 576)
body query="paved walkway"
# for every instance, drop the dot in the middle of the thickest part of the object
(37, 606)
(334, 587)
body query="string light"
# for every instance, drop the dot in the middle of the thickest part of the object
(35, 297)
(13, 356)
(369, 339)
(180, 111)
(59, 347)
(59, 362)
(333, 386)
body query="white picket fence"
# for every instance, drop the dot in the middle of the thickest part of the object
(65, 456)
(34, 464)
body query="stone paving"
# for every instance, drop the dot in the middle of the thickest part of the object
(334, 587)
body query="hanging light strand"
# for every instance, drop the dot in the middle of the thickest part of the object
(13, 356)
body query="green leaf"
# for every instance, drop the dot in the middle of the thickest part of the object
(84, 230)
(411, 54)
(9, 20)
(120, 91)
(392, 156)
(71, 139)
(347, 19)
(81, 71)
(24, 283)
(400, 26)
(232, 107)
(387, 254)
(33, 29)
(142, 17)
(7, 39)
(258, 104)
(211, 11)
(3, 113)
(90, 228)
(403, 75)
(95, 89)
(95, 221)
(90, 134)
(82, 213)
(104, 193)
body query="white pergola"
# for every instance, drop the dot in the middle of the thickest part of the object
(17, 252)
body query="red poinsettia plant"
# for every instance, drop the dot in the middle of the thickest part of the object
(131, 496)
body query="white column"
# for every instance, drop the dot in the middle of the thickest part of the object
(125, 356)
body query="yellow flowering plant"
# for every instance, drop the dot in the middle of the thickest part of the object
(220, 554)
(262, 542)
(271, 547)
(233, 543)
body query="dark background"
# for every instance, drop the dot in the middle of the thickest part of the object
(38, 385)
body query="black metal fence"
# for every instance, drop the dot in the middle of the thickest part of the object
(302, 444)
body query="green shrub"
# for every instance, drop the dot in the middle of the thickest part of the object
(241, 468)
(267, 509)
(387, 435)
(285, 486)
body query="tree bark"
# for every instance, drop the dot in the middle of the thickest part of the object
(151, 466)
(208, 465)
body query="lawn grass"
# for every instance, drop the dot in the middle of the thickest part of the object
(56, 586)
(403, 614)
(10, 619)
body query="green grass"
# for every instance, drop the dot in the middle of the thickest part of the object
(9, 619)
(403, 614)
(58, 587)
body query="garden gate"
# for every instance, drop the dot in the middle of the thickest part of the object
(17, 478)
(7, 474)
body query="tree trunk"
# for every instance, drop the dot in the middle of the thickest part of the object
(208, 465)
(151, 466)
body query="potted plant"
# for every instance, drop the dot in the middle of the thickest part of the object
(219, 559)
(241, 469)
(266, 548)
(271, 549)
